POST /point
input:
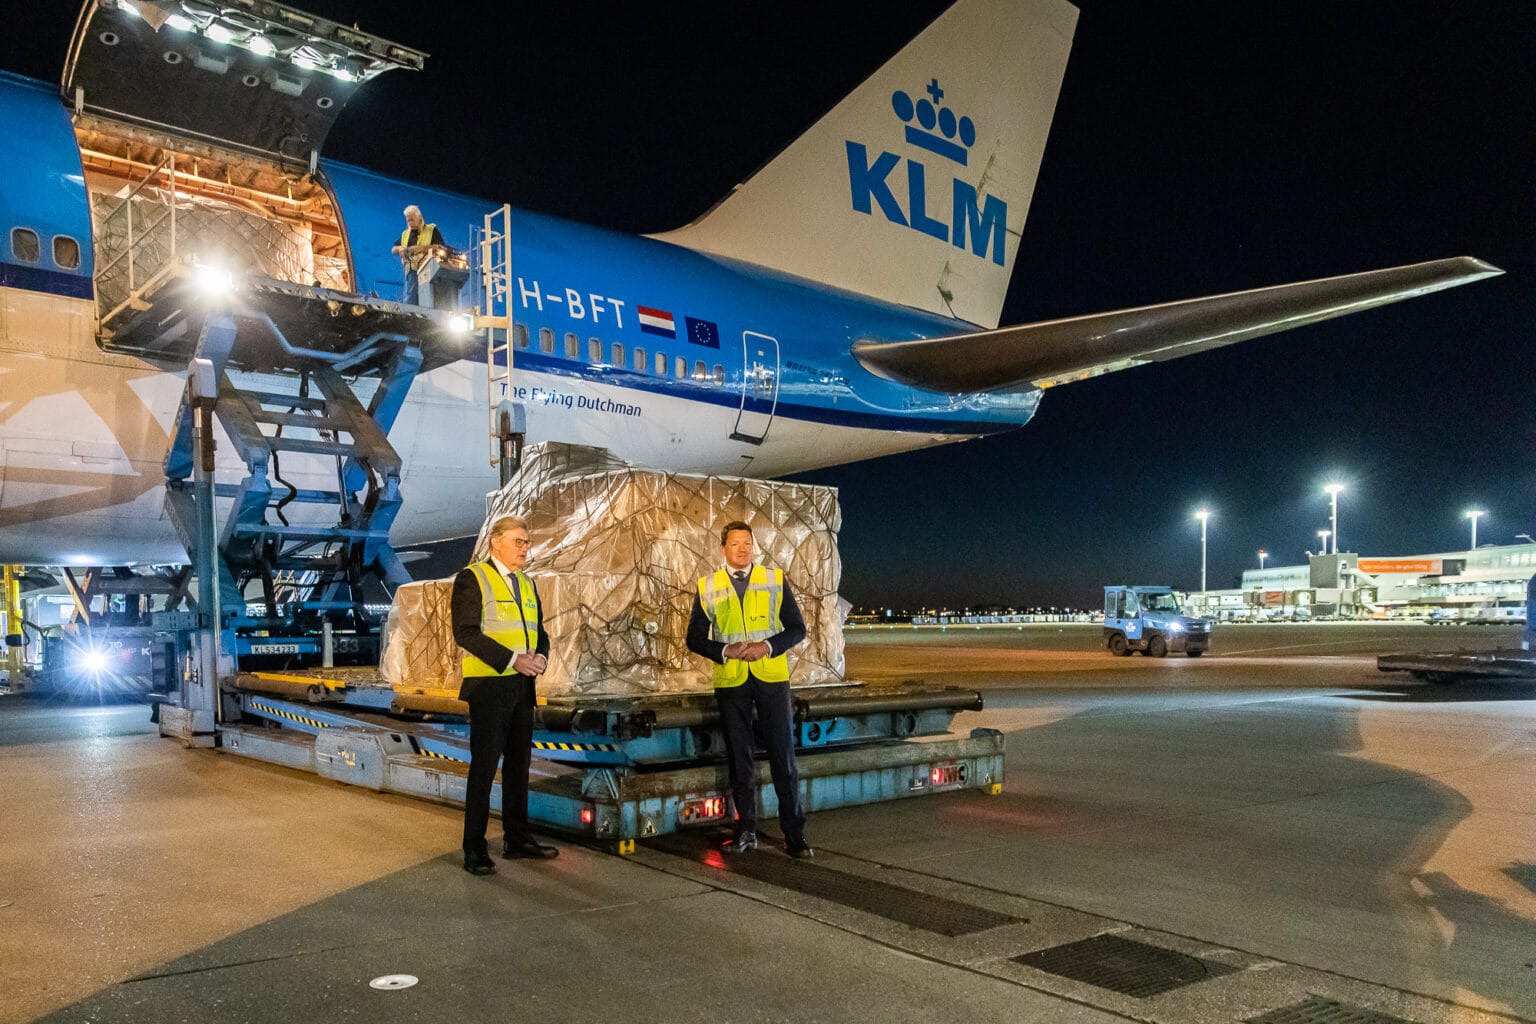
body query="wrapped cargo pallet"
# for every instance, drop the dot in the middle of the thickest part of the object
(616, 553)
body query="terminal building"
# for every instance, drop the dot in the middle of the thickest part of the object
(1487, 584)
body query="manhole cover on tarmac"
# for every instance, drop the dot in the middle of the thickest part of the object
(1123, 965)
(1317, 1010)
(393, 982)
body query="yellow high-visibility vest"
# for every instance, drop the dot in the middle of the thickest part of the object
(752, 617)
(511, 621)
(415, 260)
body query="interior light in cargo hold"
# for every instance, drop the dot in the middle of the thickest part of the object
(213, 281)
(261, 46)
(218, 33)
(180, 23)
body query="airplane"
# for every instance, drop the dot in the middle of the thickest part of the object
(842, 303)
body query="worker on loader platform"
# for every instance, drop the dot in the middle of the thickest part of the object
(414, 247)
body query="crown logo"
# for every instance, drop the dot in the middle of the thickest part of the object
(930, 115)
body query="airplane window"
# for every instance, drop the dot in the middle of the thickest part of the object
(594, 350)
(661, 364)
(25, 246)
(66, 252)
(639, 360)
(719, 375)
(680, 371)
(520, 335)
(618, 355)
(572, 345)
(546, 340)
(699, 373)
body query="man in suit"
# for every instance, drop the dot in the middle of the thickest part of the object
(744, 620)
(498, 622)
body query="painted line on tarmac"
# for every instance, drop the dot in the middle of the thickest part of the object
(1283, 647)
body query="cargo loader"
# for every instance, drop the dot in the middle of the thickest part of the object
(610, 770)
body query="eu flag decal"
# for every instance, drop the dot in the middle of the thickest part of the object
(703, 332)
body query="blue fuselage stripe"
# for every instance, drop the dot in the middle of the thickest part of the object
(53, 282)
(711, 394)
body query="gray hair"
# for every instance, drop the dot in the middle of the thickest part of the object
(506, 523)
(413, 208)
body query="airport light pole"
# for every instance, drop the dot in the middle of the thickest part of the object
(1333, 500)
(1262, 555)
(1474, 514)
(1203, 515)
(1324, 534)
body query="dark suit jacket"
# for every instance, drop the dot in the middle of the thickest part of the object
(700, 643)
(466, 633)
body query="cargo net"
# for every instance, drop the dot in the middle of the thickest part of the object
(617, 552)
(225, 233)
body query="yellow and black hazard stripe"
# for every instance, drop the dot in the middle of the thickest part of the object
(432, 753)
(270, 710)
(607, 748)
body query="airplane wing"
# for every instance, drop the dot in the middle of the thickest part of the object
(1057, 351)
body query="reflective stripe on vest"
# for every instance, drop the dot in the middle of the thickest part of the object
(753, 617)
(511, 622)
(424, 237)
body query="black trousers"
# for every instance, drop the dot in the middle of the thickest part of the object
(499, 731)
(775, 722)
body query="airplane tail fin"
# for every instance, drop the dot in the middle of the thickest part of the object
(915, 187)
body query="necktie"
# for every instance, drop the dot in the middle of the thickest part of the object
(741, 575)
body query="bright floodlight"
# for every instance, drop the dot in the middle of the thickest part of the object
(1333, 489)
(179, 23)
(262, 46)
(1202, 514)
(214, 281)
(1474, 514)
(461, 323)
(93, 660)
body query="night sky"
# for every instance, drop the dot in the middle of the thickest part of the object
(1198, 148)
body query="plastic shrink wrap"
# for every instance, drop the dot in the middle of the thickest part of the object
(616, 555)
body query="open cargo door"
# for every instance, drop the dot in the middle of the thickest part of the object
(251, 74)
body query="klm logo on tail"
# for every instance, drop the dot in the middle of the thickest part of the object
(975, 221)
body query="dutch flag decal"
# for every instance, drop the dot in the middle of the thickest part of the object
(657, 321)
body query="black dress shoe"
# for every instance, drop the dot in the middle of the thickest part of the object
(530, 849)
(479, 864)
(741, 842)
(796, 846)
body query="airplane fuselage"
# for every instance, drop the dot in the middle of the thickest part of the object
(667, 357)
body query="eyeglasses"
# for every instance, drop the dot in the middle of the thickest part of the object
(519, 542)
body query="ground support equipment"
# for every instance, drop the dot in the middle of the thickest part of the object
(613, 770)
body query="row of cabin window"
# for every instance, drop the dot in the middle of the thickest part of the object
(701, 372)
(27, 247)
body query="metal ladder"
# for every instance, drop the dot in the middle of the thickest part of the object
(492, 252)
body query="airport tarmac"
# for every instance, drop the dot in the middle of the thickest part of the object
(1275, 831)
